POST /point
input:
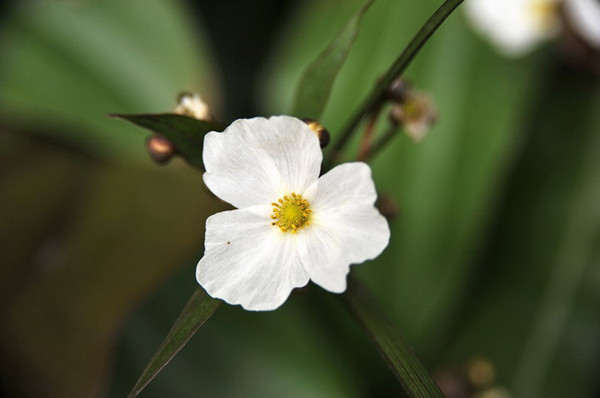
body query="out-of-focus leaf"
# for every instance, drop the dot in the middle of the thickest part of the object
(317, 81)
(186, 133)
(540, 267)
(395, 351)
(112, 247)
(35, 216)
(198, 309)
(69, 64)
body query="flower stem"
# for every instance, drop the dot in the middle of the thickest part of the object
(385, 138)
(376, 96)
(365, 146)
(395, 351)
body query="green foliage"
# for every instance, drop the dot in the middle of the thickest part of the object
(110, 57)
(396, 352)
(540, 270)
(316, 83)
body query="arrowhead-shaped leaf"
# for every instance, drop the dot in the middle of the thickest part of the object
(186, 133)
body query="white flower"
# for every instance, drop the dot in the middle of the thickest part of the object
(290, 225)
(515, 27)
(584, 16)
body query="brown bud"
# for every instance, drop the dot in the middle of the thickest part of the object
(319, 130)
(387, 207)
(398, 90)
(480, 372)
(161, 150)
(452, 383)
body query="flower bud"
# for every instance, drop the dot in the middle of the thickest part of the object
(160, 149)
(388, 207)
(398, 90)
(480, 372)
(319, 130)
(192, 105)
(417, 114)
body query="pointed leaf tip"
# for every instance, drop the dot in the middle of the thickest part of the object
(395, 351)
(185, 133)
(317, 80)
(197, 310)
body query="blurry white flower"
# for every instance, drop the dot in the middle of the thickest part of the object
(290, 225)
(515, 27)
(584, 18)
(192, 105)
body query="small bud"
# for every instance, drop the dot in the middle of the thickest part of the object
(417, 114)
(387, 207)
(192, 105)
(452, 383)
(319, 130)
(398, 90)
(480, 372)
(161, 150)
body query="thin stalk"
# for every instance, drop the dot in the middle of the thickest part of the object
(367, 139)
(385, 138)
(376, 96)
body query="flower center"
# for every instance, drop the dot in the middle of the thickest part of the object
(544, 14)
(291, 213)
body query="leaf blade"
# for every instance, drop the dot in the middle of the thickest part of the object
(395, 351)
(197, 310)
(186, 133)
(315, 85)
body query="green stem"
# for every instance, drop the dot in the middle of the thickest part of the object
(385, 138)
(395, 70)
(395, 351)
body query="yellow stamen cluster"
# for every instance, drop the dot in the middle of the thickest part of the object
(544, 13)
(291, 213)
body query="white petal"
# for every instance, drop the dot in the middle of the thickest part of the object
(256, 161)
(247, 261)
(345, 229)
(585, 18)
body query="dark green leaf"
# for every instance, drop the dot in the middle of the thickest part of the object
(543, 250)
(186, 133)
(197, 310)
(318, 78)
(396, 352)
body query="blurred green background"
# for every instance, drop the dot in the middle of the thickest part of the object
(494, 252)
